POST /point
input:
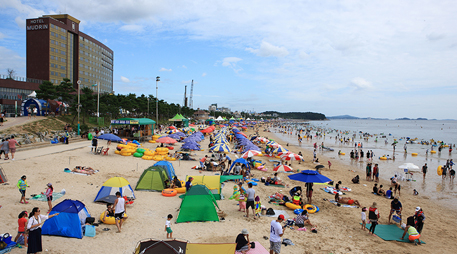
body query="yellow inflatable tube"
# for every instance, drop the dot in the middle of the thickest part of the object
(293, 206)
(110, 220)
(414, 154)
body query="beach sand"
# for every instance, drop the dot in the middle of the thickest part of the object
(338, 228)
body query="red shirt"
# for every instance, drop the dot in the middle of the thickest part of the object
(12, 143)
(203, 160)
(22, 222)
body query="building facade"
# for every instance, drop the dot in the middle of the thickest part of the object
(56, 49)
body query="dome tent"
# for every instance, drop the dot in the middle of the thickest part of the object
(72, 215)
(107, 192)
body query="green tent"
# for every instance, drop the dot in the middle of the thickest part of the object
(198, 204)
(152, 179)
(180, 120)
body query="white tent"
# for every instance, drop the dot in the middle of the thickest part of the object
(219, 119)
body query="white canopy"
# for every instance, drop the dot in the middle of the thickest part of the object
(219, 119)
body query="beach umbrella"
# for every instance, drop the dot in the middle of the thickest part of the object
(221, 148)
(191, 146)
(250, 153)
(319, 166)
(172, 127)
(309, 176)
(285, 153)
(282, 168)
(110, 137)
(409, 166)
(251, 147)
(181, 134)
(174, 136)
(280, 150)
(166, 140)
(291, 157)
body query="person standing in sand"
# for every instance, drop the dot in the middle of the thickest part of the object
(424, 169)
(119, 209)
(276, 231)
(250, 192)
(373, 216)
(376, 172)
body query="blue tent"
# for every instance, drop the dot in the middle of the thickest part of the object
(240, 160)
(168, 168)
(72, 215)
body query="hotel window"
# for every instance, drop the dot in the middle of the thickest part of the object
(52, 73)
(62, 75)
(52, 57)
(52, 33)
(52, 49)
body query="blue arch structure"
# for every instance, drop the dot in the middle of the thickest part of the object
(39, 104)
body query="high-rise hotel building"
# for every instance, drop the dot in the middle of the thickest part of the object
(56, 49)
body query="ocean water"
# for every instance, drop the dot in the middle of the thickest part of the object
(432, 186)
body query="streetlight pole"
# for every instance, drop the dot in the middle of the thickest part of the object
(157, 101)
(79, 95)
(148, 106)
(98, 102)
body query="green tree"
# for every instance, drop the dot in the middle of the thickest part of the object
(66, 91)
(47, 91)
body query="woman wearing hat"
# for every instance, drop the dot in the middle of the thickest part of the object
(49, 191)
(242, 242)
(373, 215)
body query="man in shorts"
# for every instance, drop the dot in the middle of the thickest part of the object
(119, 210)
(309, 192)
(424, 169)
(276, 231)
(395, 207)
(250, 193)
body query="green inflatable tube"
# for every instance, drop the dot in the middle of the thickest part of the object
(89, 136)
(138, 154)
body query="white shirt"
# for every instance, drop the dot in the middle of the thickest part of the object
(364, 216)
(167, 223)
(275, 231)
(33, 221)
(120, 205)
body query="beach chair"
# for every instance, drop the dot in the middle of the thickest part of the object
(99, 150)
(105, 151)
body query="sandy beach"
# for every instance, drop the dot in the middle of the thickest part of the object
(338, 227)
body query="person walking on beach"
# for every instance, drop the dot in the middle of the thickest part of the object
(5, 148)
(12, 146)
(168, 226)
(22, 223)
(276, 231)
(424, 170)
(119, 209)
(376, 172)
(250, 192)
(22, 185)
(373, 216)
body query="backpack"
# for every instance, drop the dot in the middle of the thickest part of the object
(372, 214)
(270, 211)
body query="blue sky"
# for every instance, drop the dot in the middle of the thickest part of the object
(363, 58)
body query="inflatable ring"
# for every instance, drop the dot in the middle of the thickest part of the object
(432, 151)
(414, 154)
(169, 192)
(126, 154)
(383, 158)
(140, 150)
(311, 208)
(157, 157)
(137, 154)
(110, 220)
(298, 211)
(117, 152)
(181, 190)
(342, 153)
(152, 141)
(146, 157)
(170, 158)
(292, 206)
(253, 183)
(149, 153)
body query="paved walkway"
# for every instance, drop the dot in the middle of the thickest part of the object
(15, 121)
(58, 148)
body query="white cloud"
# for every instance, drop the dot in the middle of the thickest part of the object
(435, 36)
(2, 36)
(11, 60)
(164, 69)
(125, 80)
(267, 49)
(185, 67)
(204, 74)
(230, 61)
(361, 84)
(132, 28)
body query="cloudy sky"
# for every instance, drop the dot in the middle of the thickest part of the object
(363, 58)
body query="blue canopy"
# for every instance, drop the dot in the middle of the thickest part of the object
(110, 137)
(174, 136)
(309, 176)
(181, 134)
(240, 160)
(168, 168)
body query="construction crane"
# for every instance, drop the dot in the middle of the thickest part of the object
(191, 102)
(185, 97)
